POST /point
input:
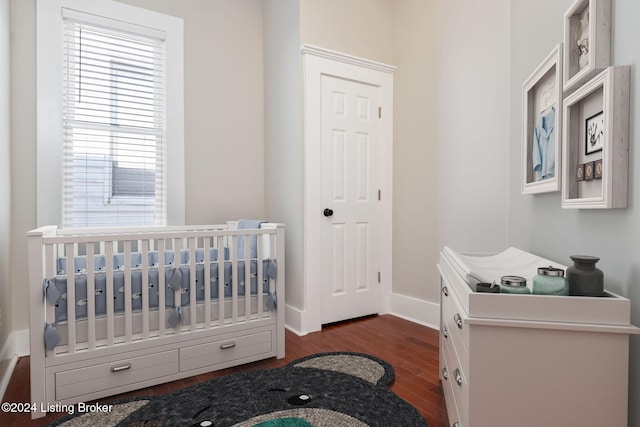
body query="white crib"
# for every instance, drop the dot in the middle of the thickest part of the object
(86, 348)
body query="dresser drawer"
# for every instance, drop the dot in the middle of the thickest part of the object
(453, 327)
(456, 395)
(222, 352)
(101, 377)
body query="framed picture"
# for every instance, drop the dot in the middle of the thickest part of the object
(542, 126)
(594, 133)
(595, 157)
(587, 40)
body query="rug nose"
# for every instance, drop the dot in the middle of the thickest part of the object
(299, 399)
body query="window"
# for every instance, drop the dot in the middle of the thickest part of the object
(110, 115)
(113, 126)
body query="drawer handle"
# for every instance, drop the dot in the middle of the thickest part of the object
(227, 345)
(458, 376)
(445, 291)
(120, 368)
(445, 374)
(445, 332)
(458, 320)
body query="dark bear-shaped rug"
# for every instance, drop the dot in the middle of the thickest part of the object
(328, 389)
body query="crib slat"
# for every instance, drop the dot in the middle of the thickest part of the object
(192, 282)
(259, 278)
(128, 326)
(162, 286)
(144, 289)
(207, 282)
(221, 280)
(247, 280)
(70, 250)
(91, 297)
(177, 298)
(110, 294)
(234, 280)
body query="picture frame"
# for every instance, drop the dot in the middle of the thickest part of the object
(594, 133)
(606, 168)
(587, 41)
(542, 126)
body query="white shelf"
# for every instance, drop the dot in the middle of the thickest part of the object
(587, 41)
(608, 93)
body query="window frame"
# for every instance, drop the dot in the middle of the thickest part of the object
(49, 100)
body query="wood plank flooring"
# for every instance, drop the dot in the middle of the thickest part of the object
(410, 348)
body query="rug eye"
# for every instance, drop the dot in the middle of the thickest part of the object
(276, 389)
(205, 423)
(299, 400)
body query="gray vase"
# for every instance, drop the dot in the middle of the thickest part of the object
(584, 278)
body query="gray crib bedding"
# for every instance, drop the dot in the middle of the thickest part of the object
(177, 278)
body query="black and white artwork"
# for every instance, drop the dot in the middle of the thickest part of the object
(594, 133)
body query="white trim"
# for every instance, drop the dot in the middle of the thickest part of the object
(415, 310)
(333, 55)
(7, 353)
(316, 63)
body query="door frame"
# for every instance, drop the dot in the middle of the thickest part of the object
(316, 63)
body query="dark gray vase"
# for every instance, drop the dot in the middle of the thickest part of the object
(584, 278)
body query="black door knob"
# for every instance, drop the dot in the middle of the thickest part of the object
(327, 212)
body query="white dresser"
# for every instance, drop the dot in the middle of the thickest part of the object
(532, 360)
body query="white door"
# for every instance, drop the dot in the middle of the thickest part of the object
(350, 206)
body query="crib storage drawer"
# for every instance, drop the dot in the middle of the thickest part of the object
(78, 382)
(213, 354)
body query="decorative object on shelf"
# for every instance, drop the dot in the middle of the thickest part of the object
(582, 39)
(594, 133)
(580, 172)
(584, 278)
(550, 281)
(513, 285)
(542, 124)
(597, 169)
(602, 103)
(587, 40)
(491, 288)
(588, 171)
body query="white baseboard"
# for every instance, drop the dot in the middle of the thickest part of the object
(22, 343)
(8, 360)
(415, 310)
(419, 311)
(293, 320)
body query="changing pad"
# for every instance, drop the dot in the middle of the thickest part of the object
(511, 261)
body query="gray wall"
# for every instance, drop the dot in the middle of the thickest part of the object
(538, 223)
(284, 175)
(5, 182)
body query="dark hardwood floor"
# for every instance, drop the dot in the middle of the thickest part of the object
(410, 348)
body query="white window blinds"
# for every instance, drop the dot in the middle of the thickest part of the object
(113, 124)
